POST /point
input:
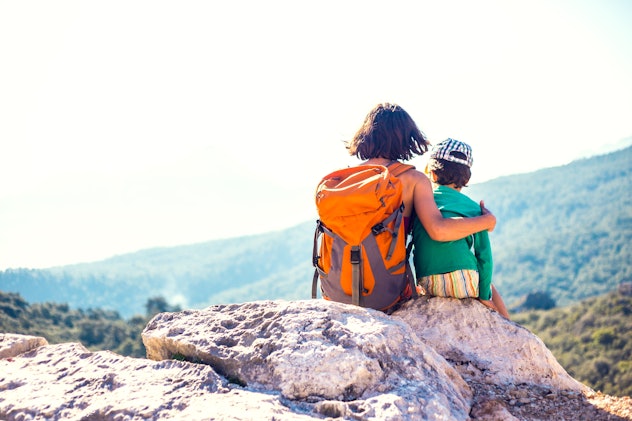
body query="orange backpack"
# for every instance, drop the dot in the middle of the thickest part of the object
(360, 249)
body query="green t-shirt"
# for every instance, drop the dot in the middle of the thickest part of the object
(474, 252)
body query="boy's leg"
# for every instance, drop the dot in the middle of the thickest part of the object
(489, 304)
(499, 303)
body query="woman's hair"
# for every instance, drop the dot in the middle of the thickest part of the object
(388, 132)
(448, 172)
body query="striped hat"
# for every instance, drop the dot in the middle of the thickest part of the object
(445, 149)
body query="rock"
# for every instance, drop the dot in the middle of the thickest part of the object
(13, 344)
(317, 351)
(492, 411)
(105, 386)
(483, 346)
(433, 359)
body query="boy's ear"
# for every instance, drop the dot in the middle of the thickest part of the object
(431, 175)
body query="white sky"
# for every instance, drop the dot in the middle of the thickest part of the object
(132, 124)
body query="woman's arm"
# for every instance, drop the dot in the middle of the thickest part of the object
(485, 211)
(445, 229)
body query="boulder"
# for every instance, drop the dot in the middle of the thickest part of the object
(433, 359)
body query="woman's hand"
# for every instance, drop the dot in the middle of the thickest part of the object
(492, 218)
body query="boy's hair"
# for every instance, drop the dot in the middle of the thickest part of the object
(388, 132)
(448, 172)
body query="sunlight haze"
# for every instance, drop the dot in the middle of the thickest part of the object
(130, 125)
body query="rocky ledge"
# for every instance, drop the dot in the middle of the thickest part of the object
(434, 359)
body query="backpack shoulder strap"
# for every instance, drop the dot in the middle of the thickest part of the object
(397, 168)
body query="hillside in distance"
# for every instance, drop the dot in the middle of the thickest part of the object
(192, 276)
(564, 230)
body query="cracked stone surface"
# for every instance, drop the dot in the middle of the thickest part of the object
(434, 359)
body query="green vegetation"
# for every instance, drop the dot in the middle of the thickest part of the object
(264, 266)
(95, 329)
(536, 300)
(592, 340)
(565, 231)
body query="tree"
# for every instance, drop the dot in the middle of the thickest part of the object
(538, 300)
(157, 305)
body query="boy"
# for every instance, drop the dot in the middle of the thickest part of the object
(461, 268)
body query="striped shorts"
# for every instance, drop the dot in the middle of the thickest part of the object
(459, 284)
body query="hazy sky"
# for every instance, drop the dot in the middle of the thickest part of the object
(132, 124)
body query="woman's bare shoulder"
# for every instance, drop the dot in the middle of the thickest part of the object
(413, 181)
(413, 176)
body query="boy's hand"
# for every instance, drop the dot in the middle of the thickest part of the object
(485, 211)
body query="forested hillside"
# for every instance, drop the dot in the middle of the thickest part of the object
(564, 231)
(592, 340)
(96, 329)
(194, 276)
